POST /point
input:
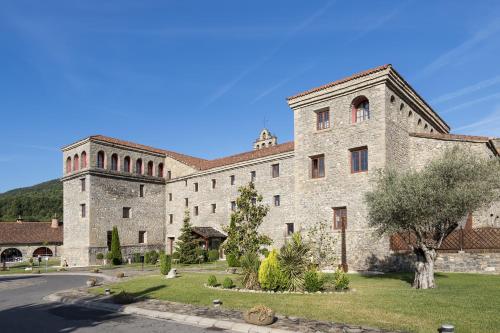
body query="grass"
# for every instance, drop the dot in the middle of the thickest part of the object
(469, 301)
(19, 268)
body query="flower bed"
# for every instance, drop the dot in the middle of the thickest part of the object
(243, 290)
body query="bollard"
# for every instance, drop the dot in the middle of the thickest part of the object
(446, 328)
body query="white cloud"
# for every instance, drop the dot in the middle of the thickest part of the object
(467, 90)
(488, 125)
(474, 101)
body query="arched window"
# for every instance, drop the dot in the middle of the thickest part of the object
(126, 164)
(68, 165)
(114, 162)
(83, 158)
(76, 163)
(138, 166)
(160, 170)
(43, 252)
(360, 109)
(150, 168)
(100, 159)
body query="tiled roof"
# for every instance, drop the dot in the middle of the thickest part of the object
(208, 232)
(334, 83)
(29, 233)
(452, 137)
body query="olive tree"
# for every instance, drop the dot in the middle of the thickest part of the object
(430, 203)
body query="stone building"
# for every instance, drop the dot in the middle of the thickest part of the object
(343, 132)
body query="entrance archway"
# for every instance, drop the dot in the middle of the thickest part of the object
(10, 254)
(43, 252)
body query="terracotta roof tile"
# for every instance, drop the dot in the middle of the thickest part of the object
(29, 233)
(334, 83)
(452, 137)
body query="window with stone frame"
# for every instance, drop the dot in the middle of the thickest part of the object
(114, 162)
(277, 200)
(233, 206)
(214, 183)
(196, 187)
(83, 184)
(186, 202)
(83, 210)
(360, 109)
(359, 159)
(275, 170)
(141, 190)
(171, 218)
(126, 212)
(195, 211)
(253, 176)
(318, 166)
(126, 164)
(232, 179)
(289, 229)
(170, 197)
(214, 208)
(169, 175)
(100, 160)
(322, 119)
(142, 237)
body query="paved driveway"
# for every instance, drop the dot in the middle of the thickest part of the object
(23, 310)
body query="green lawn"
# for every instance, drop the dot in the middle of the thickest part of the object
(469, 301)
(19, 268)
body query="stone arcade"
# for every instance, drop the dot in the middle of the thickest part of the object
(343, 132)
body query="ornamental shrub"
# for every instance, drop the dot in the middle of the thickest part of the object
(340, 279)
(153, 257)
(116, 249)
(109, 256)
(99, 256)
(212, 281)
(232, 260)
(136, 257)
(165, 263)
(313, 281)
(227, 283)
(213, 255)
(201, 255)
(270, 277)
(175, 255)
(147, 257)
(250, 264)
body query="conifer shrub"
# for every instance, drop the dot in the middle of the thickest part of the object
(227, 283)
(212, 281)
(270, 277)
(232, 260)
(313, 281)
(165, 263)
(340, 279)
(115, 247)
(147, 257)
(153, 257)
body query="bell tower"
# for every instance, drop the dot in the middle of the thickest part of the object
(265, 139)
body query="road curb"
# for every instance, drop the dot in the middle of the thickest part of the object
(176, 317)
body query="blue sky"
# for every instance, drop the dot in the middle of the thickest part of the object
(200, 77)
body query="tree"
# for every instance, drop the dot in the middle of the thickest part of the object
(165, 263)
(322, 244)
(116, 250)
(430, 203)
(187, 244)
(243, 236)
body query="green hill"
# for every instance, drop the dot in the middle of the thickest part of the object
(35, 203)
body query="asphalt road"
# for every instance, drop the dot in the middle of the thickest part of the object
(22, 309)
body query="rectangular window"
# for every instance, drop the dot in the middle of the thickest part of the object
(169, 175)
(82, 183)
(83, 210)
(233, 206)
(289, 229)
(214, 208)
(359, 160)
(318, 166)
(277, 200)
(340, 218)
(186, 183)
(253, 176)
(214, 183)
(170, 197)
(232, 179)
(142, 237)
(186, 202)
(109, 238)
(141, 191)
(322, 119)
(275, 170)
(171, 218)
(195, 210)
(126, 212)
(196, 187)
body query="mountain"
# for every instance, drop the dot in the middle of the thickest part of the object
(35, 203)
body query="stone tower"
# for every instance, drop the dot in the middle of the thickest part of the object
(265, 139)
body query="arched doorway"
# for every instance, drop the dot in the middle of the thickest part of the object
(42, 252)
(11, 254)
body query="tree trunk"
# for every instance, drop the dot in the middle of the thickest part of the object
(424, 268)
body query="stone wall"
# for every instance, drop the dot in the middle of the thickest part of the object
(27, 250)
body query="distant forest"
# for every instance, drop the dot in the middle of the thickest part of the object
(35, 203)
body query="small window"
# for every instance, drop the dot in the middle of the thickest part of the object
(169, 175)
(359, 160)
(233, 206)
(83, 209)
(214, 183)
(419, 122)
(82, 184)
(253, 176)
(141, 191)
(126, 164)
(393, 99)
(196, 187)
(160, 170)
(195, 210)
(214, 208)
(100, 160)
(83, 161)
(232, 179)
(109, 238)
(76, 163)
(339, 218)
(275, 170)
(360, 109)
(142, 237)
(170, 197)
(401, 107)
(289, 229)
(171, 218)
(277, 200)
(185, 182)
(322, 119)
(138, 166)
(186, 202)
(114, 162)
(126, 212)
(68, 165)
(318, 166)
(150, 168)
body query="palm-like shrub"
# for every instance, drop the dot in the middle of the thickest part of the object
(294, 261)
(269, 272)
(250, 264)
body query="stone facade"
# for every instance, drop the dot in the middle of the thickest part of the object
(401, 130)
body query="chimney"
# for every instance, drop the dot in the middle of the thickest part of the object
(19, 219)
(55, 223)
